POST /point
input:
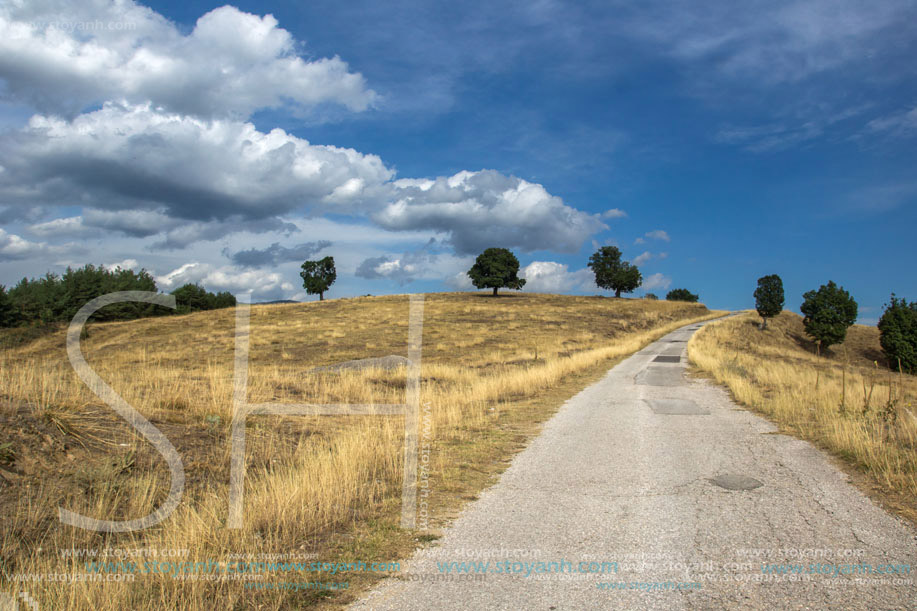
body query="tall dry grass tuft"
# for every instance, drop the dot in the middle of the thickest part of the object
(325, 486)
(844, 401)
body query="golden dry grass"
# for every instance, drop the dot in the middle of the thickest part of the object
(847, 402)
(324, 487)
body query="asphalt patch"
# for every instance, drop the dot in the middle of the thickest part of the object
(732, 481)
(660, 375)
(676, 407)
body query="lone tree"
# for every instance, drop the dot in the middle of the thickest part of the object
(681, 295)
(898, 334)
(829, 311)
(496, 268)
(318, 276)
(613, 273)
(769, 297)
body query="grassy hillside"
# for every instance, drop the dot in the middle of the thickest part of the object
(847, 401)
(319, 488)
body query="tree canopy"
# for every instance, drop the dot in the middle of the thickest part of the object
(681, 295)
(898, 334)
(496, 268)
(193, 298)
(828, 312)
(612, 273)
(769, 298)
(318, 276)
(52, 298)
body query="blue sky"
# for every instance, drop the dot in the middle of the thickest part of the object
(223, 144)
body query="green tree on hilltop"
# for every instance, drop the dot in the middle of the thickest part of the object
(769, 298)
(318, 276)
(828, 312)
(898, 334)
(681, 295)
(496, 268)
(612, 273)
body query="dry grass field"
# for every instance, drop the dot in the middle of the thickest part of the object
(316, 488)
(848, 402)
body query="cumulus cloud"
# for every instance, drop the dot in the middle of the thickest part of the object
(125, 264)
(552, 277)
(134, 223)
(403, 269)
(423, 262)
(657, 234)
(62, 56)
(486, 208)
(225, 278)
(614, 213)
(647, 256)
(14, 248)
(656, 281)
(163, 166)
(460, 281)
(276, 254)
(142, 171)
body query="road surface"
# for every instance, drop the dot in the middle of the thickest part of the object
(648, 490)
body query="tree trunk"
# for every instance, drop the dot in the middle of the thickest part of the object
(321, 296)
(763, 323)
(495, 291)
(617, 292)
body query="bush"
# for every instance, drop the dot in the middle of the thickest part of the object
(829, 311)
(681, 295)
(898, 334)
(651, 296)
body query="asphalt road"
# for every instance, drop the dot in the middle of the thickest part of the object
(657, 473)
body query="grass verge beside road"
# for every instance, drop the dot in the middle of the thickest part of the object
(848, 402)
(322, 488)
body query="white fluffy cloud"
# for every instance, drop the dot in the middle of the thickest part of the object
(656, 281)
(61, 56)
(423, 262)
(14, 247)
(486, 208)
(144, 171)
(226, 278)
(658, 234)
(160, 166)
(552, 277)
(647, 256)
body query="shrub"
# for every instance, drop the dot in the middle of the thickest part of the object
(651, 296)
(829, 311)
(681, 295)
(898, 334)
